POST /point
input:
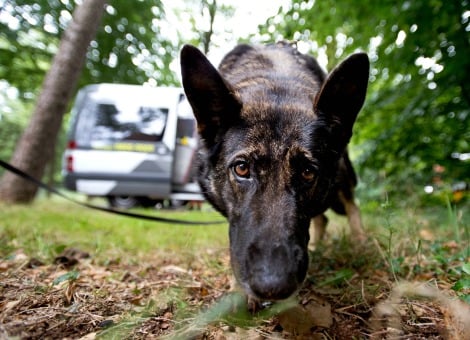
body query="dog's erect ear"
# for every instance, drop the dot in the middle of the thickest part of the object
(210, 96)
(342, 96)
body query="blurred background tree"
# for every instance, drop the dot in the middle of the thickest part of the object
(128, 47)
(37, 144)
(204, 23)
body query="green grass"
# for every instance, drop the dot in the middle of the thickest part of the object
(45, 228)
(426, 245)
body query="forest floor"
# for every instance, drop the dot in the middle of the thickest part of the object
(69, 273)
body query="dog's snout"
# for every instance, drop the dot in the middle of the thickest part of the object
(272, 287)
(275, 272)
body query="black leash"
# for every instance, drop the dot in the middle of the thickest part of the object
(44, 186)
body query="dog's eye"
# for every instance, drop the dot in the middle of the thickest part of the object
(242, 169)
(308, 174)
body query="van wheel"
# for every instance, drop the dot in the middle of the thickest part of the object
(123, 202)
(175, 204)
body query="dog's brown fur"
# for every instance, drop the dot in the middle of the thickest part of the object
(275, 130)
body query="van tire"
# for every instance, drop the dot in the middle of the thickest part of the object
(175, 204)
(128, 202)
(123, 202)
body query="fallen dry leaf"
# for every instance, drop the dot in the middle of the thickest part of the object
(321, 313)
(301, 320)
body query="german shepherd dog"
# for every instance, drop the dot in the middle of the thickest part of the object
(274, 130)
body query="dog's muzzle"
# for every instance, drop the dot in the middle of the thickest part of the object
(272, 271)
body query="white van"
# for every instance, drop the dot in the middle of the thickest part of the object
(132, 144)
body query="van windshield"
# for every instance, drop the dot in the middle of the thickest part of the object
(104, 123)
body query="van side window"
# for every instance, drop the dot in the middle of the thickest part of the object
(150, 126)
(106, 117)
(105, 123)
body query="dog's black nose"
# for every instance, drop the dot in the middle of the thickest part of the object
(271, 287)
(274, 272)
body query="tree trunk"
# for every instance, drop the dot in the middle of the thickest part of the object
(207, 36)
(36, 145)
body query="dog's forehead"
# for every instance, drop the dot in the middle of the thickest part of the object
(272, 137)
(277, 92)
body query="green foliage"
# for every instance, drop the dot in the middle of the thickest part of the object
(26, 49)
(70, 276)
(462, 286)
(128, 47)
(338, 279)
(419, 95)
(14, 115)
(205, 20)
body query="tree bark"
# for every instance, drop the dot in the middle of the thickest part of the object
(207, 36)
(36, 145)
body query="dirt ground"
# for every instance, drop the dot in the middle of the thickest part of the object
(75, 297)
